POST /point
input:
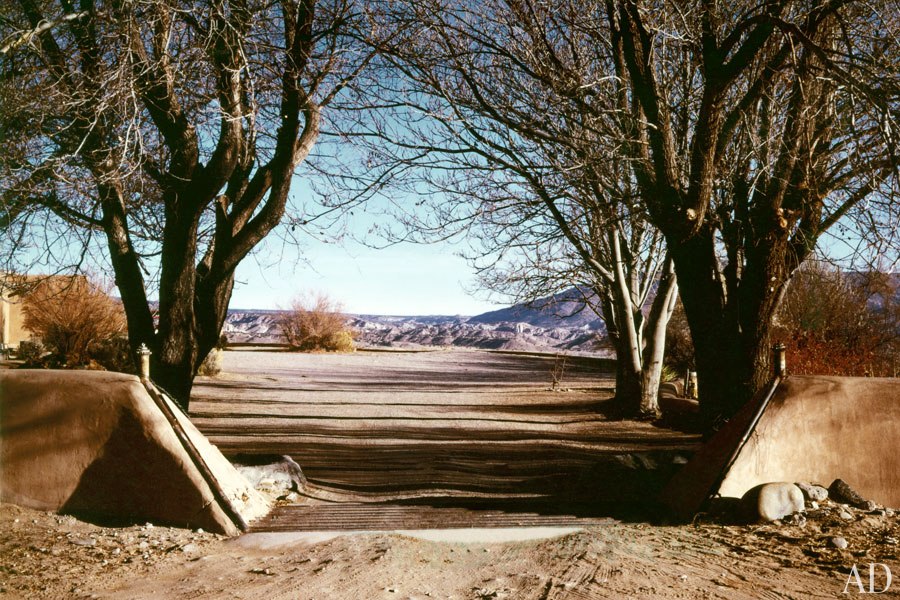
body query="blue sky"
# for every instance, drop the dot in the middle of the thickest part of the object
(404, 279)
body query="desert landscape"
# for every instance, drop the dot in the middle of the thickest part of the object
(408, 299)
(445, 474)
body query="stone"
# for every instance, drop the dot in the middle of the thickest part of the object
(88, 542)
(845, 515)
(795, 519)
(839, 542)
(724, 509)
(772, 501)
(813, 492)
(842, 493)
(275, 475)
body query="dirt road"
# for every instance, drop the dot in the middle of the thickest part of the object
(489, 428)
(459, 428)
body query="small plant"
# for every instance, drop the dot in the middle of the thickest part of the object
(114, 354)
(316, 323)
(669, 374)
(558, 371)
(212, 364)
(30, 352)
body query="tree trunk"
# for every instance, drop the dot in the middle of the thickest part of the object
(730, 320)
(176, 352)
(639, 343)
(654, 350)
(214, 297)
(127, 269)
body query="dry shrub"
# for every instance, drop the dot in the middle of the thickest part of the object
(212, 364)
(73, 317)
(679, 356)
(837, 323)
(316, 323)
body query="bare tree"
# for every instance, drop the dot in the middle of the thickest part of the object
(533, 183)
(748, 132)
(754, 130)
(841, 323)
(169, 130)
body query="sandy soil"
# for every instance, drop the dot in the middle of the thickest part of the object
(478, 409)
(48, 556)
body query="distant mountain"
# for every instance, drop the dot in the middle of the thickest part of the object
(565, 309)
(559, 323)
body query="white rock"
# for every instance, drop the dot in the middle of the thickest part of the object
(839, 542)
(772, 501)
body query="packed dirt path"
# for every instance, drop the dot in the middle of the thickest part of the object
(47, 556)
(461, 428)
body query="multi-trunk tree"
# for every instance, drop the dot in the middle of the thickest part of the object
(754, 129)
(171, 130)
(742, 131)
(532, 181)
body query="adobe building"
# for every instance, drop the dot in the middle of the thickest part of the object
(12, 318)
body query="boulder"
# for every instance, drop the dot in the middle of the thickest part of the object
(812, 492)
(272, 475)
(772, 501)
(673, 406)
(842, 493)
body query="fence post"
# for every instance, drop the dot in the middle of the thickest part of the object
(144, 353)
(779, 359)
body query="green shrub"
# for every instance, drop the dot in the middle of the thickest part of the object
(669, 374)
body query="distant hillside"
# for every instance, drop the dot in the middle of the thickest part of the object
(565, 309)
(554, 324)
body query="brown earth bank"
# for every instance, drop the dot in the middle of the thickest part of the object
(43, 555)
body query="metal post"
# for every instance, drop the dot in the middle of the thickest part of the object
(779, 359)
(144, 353)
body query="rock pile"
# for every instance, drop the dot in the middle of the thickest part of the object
(795, 503)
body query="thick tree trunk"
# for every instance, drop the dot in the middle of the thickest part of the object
(639, 343)
(213, 298)
(176, 353)
(628, 381)
(127, 269)
(730, 321)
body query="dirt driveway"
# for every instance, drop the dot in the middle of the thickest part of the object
(459, 428)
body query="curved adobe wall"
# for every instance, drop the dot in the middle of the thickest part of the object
(95, 444)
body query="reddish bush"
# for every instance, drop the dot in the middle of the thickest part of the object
(836, 323)
(73, 317)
